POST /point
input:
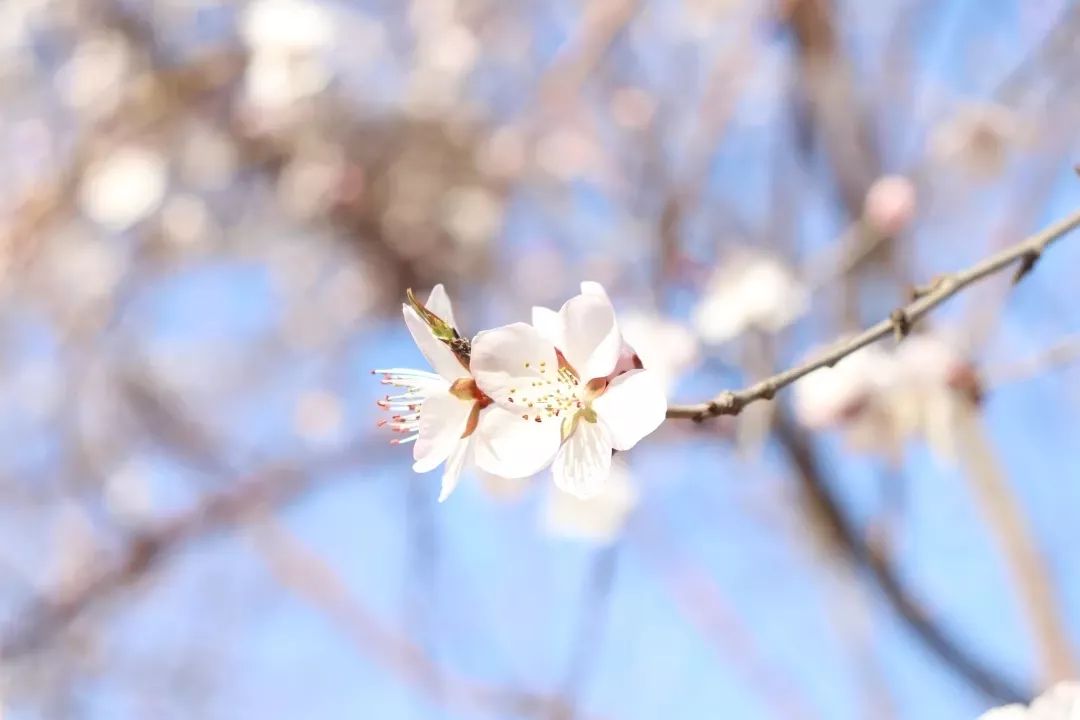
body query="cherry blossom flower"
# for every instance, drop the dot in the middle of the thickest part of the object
(568, 404)
(443, 413)
(1061, 702)
(749, 291)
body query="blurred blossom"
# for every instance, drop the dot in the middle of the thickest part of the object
(749, 291)
(889, 206)
(831, 396)
(599, 519)
(1061, 702)
(452, 51)
(287, 39)
(472, 215)
(124, 187)
(566, 153)
(93, 78)
(127, 492)
(287, 26)
(664, 346)
(318, 417)
(979, 138)
(308, 184)
(884, 398)
(185, 220)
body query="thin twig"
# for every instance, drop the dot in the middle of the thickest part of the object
(899, 322)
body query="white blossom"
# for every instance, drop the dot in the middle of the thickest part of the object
(884, 398)
(558, 383)
(124, 187)
(749, 291)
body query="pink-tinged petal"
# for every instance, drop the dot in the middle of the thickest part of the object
(582, 466)
(632, 407)
(454, 464)
(438, 302)
(443, 419)
(442, 358)
(512, 361)
(547, 323)
(510, 446)
(590, 336)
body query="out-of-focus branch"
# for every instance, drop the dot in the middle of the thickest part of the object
(46, 616)
(1023, 255)
(835, 110)
(846, 537)
(1022, 558)
(305, 573)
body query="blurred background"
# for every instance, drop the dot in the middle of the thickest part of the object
(210, 211)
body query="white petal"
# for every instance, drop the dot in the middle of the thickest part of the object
(443, 419)
(581, 468)
(632, 407)
(454, 464)
(547, 323)
(590, 336)
(591, 287)
(438, 302)
(510, 357)
(441, 357)
(511, 447)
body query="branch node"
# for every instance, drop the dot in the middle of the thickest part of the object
(1027, 263)
(920, 291)
(901, 323)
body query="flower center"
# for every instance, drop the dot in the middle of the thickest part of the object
(558, 395)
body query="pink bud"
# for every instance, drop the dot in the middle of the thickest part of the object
(890, 204)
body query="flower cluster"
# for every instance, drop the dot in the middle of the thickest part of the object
(566, 391)
(884, 397)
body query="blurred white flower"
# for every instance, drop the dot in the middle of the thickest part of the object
(287, 39)
(749, 291)
(1061, 702)
(124, 187)
(884, 398)
(889, 206)
(831, 396)
(472, 215)
(664, 346)
(93, 78)
(286, 26)
(598, 519)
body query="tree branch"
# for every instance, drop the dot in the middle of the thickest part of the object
(846, 536)
(1023, 255)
